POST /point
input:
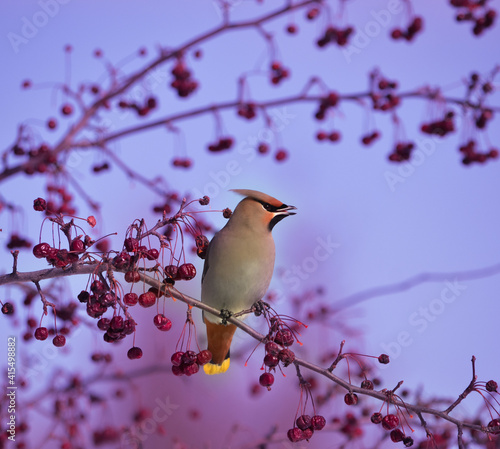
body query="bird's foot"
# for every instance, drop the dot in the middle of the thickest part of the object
(225, 315)
(260, 307)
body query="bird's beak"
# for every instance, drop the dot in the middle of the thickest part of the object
(287, 210)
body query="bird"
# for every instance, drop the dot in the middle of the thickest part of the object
(238, 268)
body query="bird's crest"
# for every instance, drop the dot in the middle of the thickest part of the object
(259, 196)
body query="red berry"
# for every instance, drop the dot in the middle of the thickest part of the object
(281, 155)
(131, 244)
(292, 29)
(226, 213)
(397, 435)
(116, 323)
(189, 357)
(312, 13)
(384, 359)
(390, 422)
(203, 357)
(177, 370)
(295, 435)
(103, 324)
(132, 276)
(39, 204)
(272, 348)
(147, 299)
(266, 380)
(7, 308)
(190, 369)
(367, 384)
(303, 422)
(284, 337)
(351, 399)
(318, 422)
(41, 333)
(77, 246)
(263, 148)
(51, 124)
(493, 153)
(491, 386)
(187, 271)
(134, 353)
(171, 271)
(59, 340)
(270, 360)
(166, 327)
(376, 418)
(321, 135)
(130, 299)
(67, 109)
(308, 433)
(176, 358)
(286, 356)
(495, 423)
(334, 136)
(41, 250)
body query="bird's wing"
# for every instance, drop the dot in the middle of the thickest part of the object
(206, 264)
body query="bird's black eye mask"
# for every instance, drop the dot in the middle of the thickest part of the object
(270, 207)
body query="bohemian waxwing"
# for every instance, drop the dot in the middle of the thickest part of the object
(238, 267)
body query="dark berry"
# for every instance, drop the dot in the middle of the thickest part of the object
(190, 369)
(7, 308)
(116, 323)
(266, 380)
(303, 422)
(376, 418)
(83, 296)
(176, 358)
(286, 356)
(351, 398)
(189, 357)
(187, 271)
(147, 299)
(295, 435)
(367, 384)
(495, 423)
(272, 348)
(132, 277)
(39, 204)
(103, 324)
(130, 299)
(134, 353)
(284, 337)
(318, 422)
(131, 244)
(41, 333)
(59, 340)
(390, 422)
(271, 360)
(397, 435)
(383, 358)
(41, 250)
(203, 357)
(491, 385)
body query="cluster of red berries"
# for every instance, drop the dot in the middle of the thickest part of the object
(476, 12)
(278, 73)
(16, 241)
(402, 152)
(440, 127)
(485, 115)
(60, 202)
(142, 110)
(247, 110)
(276, 354)
(333, 136)
(327, 102)
(383, 95)
(391, 422)
(471, 154)
(116, 328)
(305, 427)
(413, 28)
(183, 162)
(335, 35)
(183, 83)
(369, 138)
(60, 258)
(40, 158)
(189, 362)
(183, 272)
(224, 143)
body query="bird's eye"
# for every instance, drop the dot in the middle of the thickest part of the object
(267, 206)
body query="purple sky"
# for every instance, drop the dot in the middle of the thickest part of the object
(385, 222)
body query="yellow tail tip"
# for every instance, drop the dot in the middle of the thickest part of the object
(212, 368)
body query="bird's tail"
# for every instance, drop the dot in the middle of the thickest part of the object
(219, 341)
